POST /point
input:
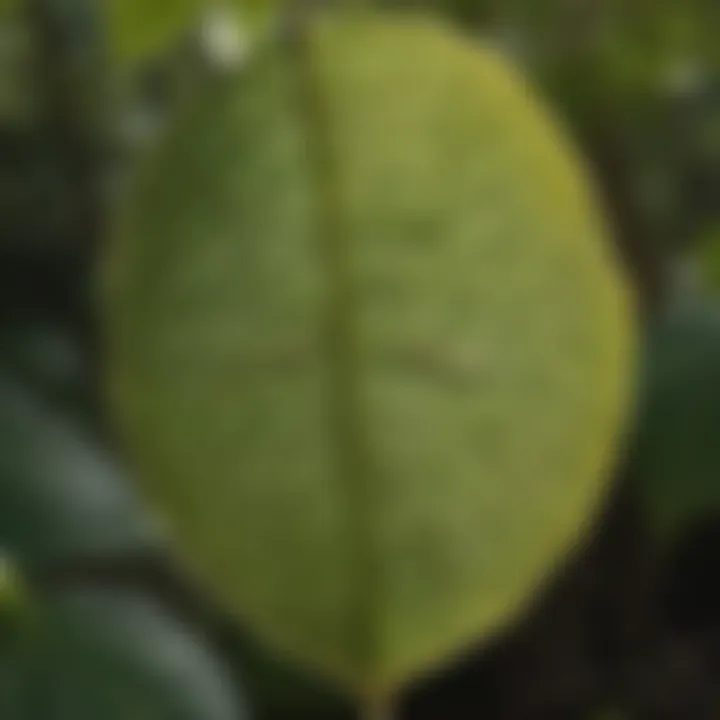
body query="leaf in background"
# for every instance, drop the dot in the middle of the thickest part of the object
(257, 15)
(60, 497)
(678, 455)
(708, 258)
(144, 29)
(11, 587)
(45, 358)
(19, 99)
(93, 655)
(8, 5)
(375, 388)
(14, 606)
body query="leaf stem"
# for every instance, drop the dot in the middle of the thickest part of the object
(354, 472)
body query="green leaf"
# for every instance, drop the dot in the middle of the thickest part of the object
(142, 30)
(14, 604)
(60, 496)
(11, 586)
(678, 457)
(7, 6)
(19, 98)
(369, 347)
(257, 14)
(44, 356)
(708, 259)
(114, 655)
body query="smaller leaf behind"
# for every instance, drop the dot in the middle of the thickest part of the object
(60, 496)
(141, 30)
(114, 656)
(677, 454)
(709, 258)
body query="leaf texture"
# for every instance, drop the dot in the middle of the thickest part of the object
(371, 352)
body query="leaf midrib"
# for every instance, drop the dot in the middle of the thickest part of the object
(352, 457)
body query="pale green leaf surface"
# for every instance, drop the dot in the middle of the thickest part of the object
(373, 428)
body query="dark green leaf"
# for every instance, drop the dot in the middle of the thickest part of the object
(60, 497)
(114, 656)
(709, 258)
(678, 454)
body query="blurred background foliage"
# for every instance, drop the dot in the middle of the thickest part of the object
(97, 620)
